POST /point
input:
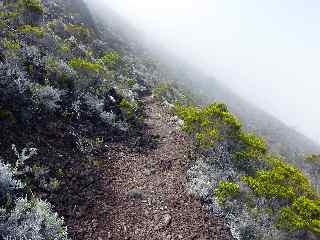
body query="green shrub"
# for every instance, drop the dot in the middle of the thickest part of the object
(162, 90)
(80, 32)
(207, 125)
(9, 44)
(52, 24)
(131, 83)
(83, 65)
(252, 154)
(32, 5)
(220, 112)
(282, 182)
(313, 159)
(290, 193)
(249, 161)
(8, 15)
(227, 190)
(58, 75)
(64, 48)
(253, 142)
(6, 115)
(127, 108)
(110, 60)
(303, 214)
(3, 26)
(37, 31)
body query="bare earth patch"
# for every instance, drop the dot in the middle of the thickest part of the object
(144, 196)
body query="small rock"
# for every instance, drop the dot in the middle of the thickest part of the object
(135, 194)
(164, 222)
(167, 219)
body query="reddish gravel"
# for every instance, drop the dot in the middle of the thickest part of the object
(143, 195)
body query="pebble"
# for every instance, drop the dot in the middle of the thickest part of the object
(164, 222)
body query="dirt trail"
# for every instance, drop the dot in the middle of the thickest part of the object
(144, 195)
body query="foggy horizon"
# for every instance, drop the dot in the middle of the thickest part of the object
(265, 52)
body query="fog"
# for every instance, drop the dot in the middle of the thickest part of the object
(268, 52)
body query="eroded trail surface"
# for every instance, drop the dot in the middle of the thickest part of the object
(144, 194)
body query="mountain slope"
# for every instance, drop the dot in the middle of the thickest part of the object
(121, 142)
(281, 138)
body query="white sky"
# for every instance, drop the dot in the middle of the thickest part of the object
(266, 51)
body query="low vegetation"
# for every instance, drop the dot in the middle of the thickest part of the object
(303, 214)
(227, 190)
(37, 31)
(51, 77)
(58, 81)
(32, 5)
(80, 32)
(208, 125)
(286, 190)
(110, 60)
(85, 66)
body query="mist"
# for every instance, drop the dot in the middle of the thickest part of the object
(265, 51)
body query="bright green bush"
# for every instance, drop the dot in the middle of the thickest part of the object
(127, 108)
(110, 60)
(37, 31)
(52, 24)
(32, 5)
(313, 159)
(8, 15)
(249, 161)
(80, 32)
(9, 44)
(227, 190)
(206, 124)
(131, 83)
(252, 141)
(221, 113)
(83, 65)
(303, 214)
(283, 181)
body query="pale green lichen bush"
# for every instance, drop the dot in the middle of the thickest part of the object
(23, 218)
(8, 182)
(32, 219)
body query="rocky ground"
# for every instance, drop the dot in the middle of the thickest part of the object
(143, 194)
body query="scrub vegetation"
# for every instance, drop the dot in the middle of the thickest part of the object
(72, 91)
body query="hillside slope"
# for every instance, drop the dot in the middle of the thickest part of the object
(121, 142)
(281, 138)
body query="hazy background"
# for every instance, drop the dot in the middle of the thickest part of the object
(267, 51)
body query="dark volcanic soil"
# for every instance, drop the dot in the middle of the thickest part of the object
(143, 194)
